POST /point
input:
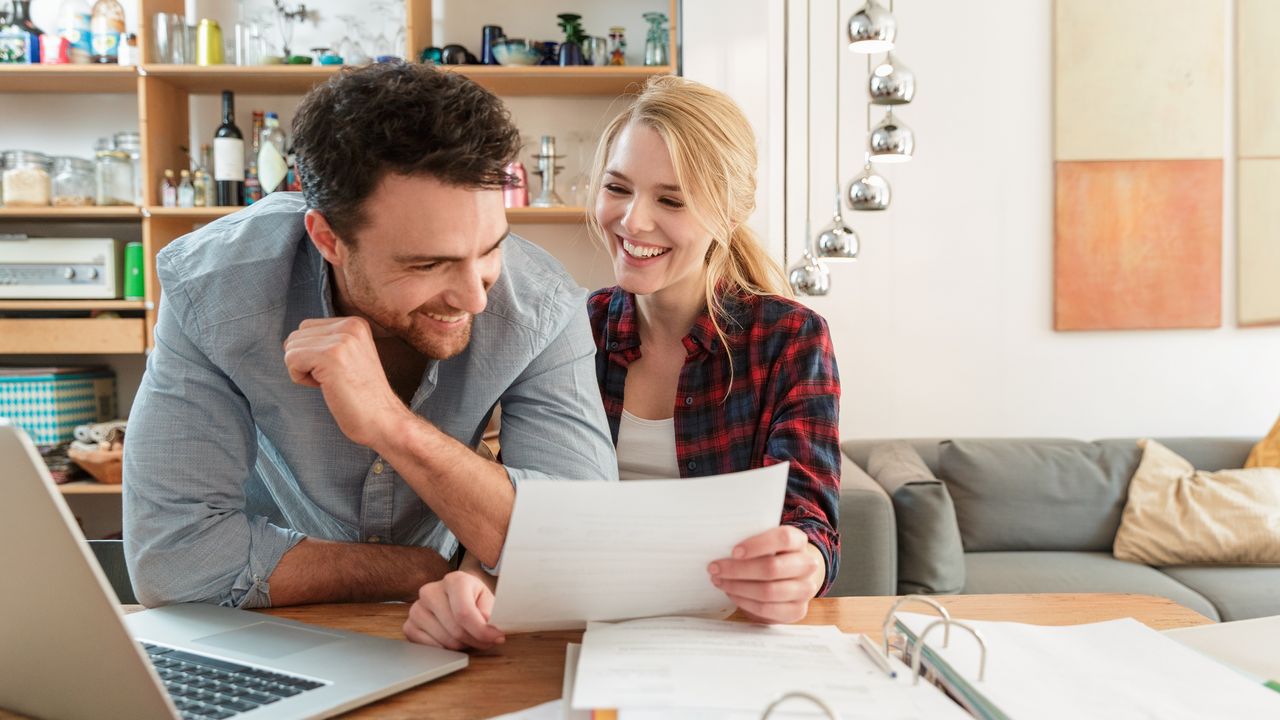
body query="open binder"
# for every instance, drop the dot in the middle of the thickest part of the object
(1113, 669)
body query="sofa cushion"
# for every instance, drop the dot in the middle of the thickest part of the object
(1035, 494)
(1267, 452)
(1077, 572)
(1177, 515)
(1238, 592)
(930, 558)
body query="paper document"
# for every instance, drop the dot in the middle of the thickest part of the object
(1113, 669)
(678, 667)
(1249, 646)
(577, 552)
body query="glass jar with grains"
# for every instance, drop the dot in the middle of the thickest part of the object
(26, 179)
(73, 182)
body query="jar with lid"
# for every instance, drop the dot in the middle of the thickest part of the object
(131, 143)
(114, 178)
(26, 179)
(74, 184)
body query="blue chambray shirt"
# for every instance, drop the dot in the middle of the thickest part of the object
(228, 463)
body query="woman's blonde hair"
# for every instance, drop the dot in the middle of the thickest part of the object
(714, 153)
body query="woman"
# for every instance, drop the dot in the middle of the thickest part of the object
(704, 365)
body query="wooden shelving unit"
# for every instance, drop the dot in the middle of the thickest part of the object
(72, 336)
(72, 305)
(123, 212)
(68, 79)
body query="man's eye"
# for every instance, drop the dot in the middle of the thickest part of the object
(426, 268)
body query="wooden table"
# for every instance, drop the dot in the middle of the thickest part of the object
(528, 669)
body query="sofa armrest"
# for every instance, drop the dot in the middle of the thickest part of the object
(868, 536)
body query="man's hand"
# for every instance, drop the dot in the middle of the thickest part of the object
(771, 576)
(338, 356)
(453, 613)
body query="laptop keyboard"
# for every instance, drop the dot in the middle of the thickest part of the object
(204, 687)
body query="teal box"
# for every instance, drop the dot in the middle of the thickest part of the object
(49, 402)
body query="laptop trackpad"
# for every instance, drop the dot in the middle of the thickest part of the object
(268, 639)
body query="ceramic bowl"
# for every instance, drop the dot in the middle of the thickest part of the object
(517, 52)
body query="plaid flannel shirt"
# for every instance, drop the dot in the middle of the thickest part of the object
(780, 401)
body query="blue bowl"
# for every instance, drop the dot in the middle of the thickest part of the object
(517, 52)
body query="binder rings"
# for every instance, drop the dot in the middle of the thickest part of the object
(1113, 669)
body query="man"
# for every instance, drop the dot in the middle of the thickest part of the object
(325, 363)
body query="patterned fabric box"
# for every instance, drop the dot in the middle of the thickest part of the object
(49, 402)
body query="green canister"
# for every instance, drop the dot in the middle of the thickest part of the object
(134, 287)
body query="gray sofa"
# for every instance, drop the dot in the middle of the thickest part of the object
(1021, 516)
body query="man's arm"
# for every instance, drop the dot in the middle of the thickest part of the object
(325, 571)
(189, 451)
(553, 425)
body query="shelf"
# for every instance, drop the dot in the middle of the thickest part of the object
(89, 487)
(539, 80)
(72, 336)
(255, 80)
(68, 79)
(72, 305)
(546, 216)
(501, 80)
(119, 212)
(199, 213)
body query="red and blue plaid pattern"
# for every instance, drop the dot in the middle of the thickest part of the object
(781, 401)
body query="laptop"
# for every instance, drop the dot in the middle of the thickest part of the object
(69, 652)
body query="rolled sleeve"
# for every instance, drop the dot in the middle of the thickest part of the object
(806, 432)
(188, 454)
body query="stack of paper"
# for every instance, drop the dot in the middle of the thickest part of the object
(686, 667)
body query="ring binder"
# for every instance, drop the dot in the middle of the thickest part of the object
(947, 623)
(801, 695)
(889, 617)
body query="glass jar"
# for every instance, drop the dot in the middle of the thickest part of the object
(26, 179)
(114, 178)
(131, 143)
(74, 182)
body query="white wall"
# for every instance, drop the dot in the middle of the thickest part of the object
(944, 326)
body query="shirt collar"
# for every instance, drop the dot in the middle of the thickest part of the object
(624, 324)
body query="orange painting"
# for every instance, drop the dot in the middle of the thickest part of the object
(1138, 244)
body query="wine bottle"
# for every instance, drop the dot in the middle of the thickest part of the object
(228, 156)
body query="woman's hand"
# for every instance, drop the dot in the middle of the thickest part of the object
(771, 576)
(453, 613)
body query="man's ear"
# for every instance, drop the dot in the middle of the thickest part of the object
(323, 237)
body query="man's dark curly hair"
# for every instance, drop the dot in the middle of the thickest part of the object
(402, 118)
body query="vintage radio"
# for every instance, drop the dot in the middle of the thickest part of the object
(61, 268)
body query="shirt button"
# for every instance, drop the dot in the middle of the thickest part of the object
(688, 400)
(375, 539)
(692, 465)
(613, 346)
(378, 467)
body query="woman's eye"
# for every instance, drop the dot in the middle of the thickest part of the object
(615, 189)
(672, 203)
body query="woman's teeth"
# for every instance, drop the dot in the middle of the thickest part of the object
(648, 251)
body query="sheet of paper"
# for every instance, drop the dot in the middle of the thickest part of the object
(551, 710)
(582, 551)
(678, 667)
(1249, 646)
(1113, 669)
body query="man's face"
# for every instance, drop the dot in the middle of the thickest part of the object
(421, 267)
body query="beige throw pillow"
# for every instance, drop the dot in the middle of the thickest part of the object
(1177, 515)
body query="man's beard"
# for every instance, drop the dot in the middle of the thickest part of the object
(435, 346)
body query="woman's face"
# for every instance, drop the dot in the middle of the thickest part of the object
(655, 241)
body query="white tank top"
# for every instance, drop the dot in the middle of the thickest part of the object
(647, 449)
